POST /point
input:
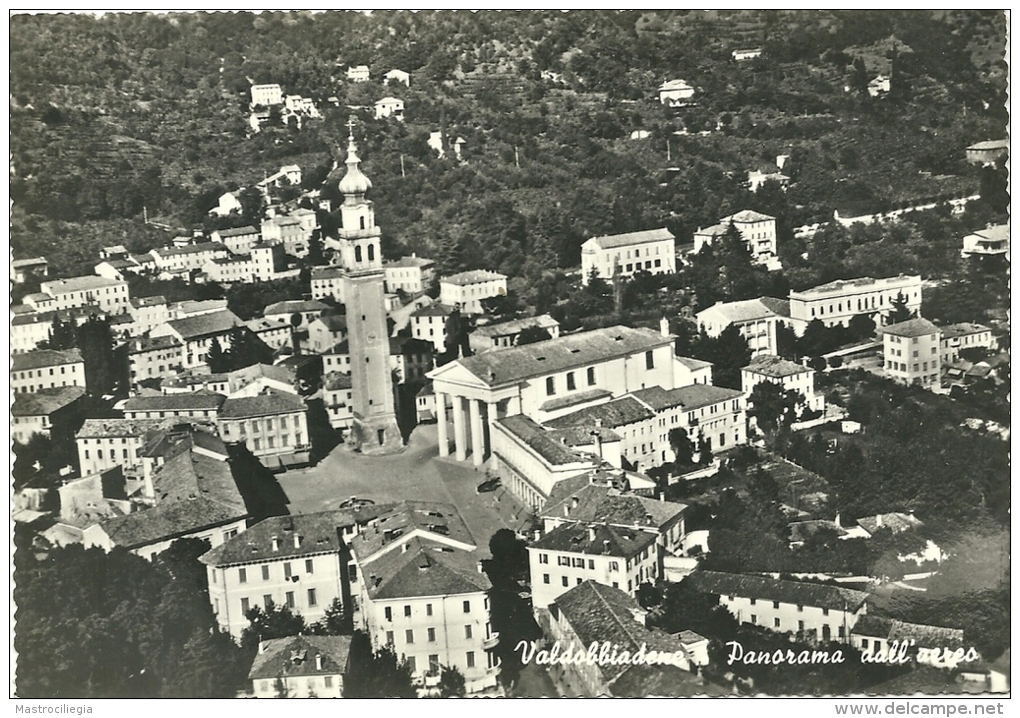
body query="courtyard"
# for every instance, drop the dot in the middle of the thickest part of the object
(417, 473)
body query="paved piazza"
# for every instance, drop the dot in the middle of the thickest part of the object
(417, 473)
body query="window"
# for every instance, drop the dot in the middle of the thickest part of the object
(775, 604)
(434, 663)
(649, 360)
(409, 635)
(467, 631)
(571, 385)
(566, 582)
(389, 638)
(411, 665)
(407, 611)
(775, 622)
(265, 573)
(290, 599)
(242, 575)
(432, 635)
(389, 613)
(864, 643)
(428, 609)
(591, 376)
(327, 681)
(550, 387)
(543, 558)
(545, 578)
(578, 563)
(562, 560)
(470, 659)
(467, 606)
(267, 601)
(311, 597)
(591, 564)
(309, 566)
(286, 570)
(754, 619)
(244, 605)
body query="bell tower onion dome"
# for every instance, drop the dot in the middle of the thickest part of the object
(355, 184)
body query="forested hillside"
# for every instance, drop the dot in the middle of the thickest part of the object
(114, 114)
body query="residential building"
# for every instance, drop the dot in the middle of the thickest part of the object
(675, 93)
(910, 351)
(198, 332)
(266, 95)
(290, 232)
(593, 614)
(419, 588)
(276, 333)
(992, 241)
(429, 323)
(692, 371)
(226, 205)
(787, 374)
(105, 443)
(965, 335)
(326, 331)
(238, 240)
(29, 329)
(394, 76)
(412, 274)
(48, 412)
(154, 357)
(192, 470)
(389, 107)
(713, 413)
(746, 54)
(756, 178)
(40, 302)
(358, 73)
(269, 260)
(411, 358)
(47, 369)
(547, 379)
(298, 561)
(468, 289)
(230, 270)
(259, 378)
(110, 295)
(628, 418)
(929, 645)
(505, 334)
(840, 301)
(338, 399)
(301, 667)
(148, 312)
(573, 553)
(287, 175)
(307, 310)
(425, 404)
(194, 308)
(757, 319)
(879, 86)
(22, 269)
(988, 152)
(193, 405)
(269, 424)
(116, 268)
(756, 229)
(190, 381)
(328, 282)
(181, 261)
(808, 611)
(652, 251)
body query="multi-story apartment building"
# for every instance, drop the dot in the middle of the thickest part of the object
(238, 240)
(196, 334)
(964, 336)
(992, 241)
(230, 270)
(290, 232)
(757, 319)
(180, 261)
(626, 417)
(505, 334)
(419, 588)
(789, 375)
(29, 329)
(338, 398)
(110, 295)
(756, 229)
(326, 331)
(148, 313)
(298, 561)
(839, 301)
(154, 357)
(22, 269)
(468, 289)
(105, 443)
(910, 351)
(713, 413)
(573, 553)
(652, 251)
(809, 611)
(269, 260)
(412, 274)
(269, 424)
(195, 405)
(285, 311)
(429, 323)
(328, 282)
(266, 95)
(301, 667)
(47, 412)
(47, 369)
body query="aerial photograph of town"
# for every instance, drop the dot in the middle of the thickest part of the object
(646, 353)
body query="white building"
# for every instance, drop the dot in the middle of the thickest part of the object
(270, 424)
(675, 93)
(292, 232)
(105, 443)
(429, 323)
(911, 353)
(652, 251)
(505, 334)
(238, 240)
(746, 54)
(787, 374)
(468, 289)
(358, 73)
(198, 332)
(930, 645)
(307, 310)
(389, 107)
(148, 312)
(266, 95)
(227, 204)
(412, 274)
(839, 301)
(235, 269)
(300, 667)
(757, 319)
(154, 357)
(110, 295)
(964, 336)
(328, 282)
(394, 76)
(47, 369)
(756, 229)
(181, 261)
(43, 411)
(991, 241)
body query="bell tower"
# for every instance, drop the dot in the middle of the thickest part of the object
(375, 429)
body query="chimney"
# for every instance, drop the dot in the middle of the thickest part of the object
(605, 546)
(574, 502)
(878, 520)
(297, 541)
(837, 521)
(318, 661)
(538, 534)
(566, 510)
(591, 534)
(403, 549)
(664, 327)
(596, 439)
(479, 567)
(276, 543)
(662, 497)
(262, 646)
(598, 423)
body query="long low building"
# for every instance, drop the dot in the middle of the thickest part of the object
(47, 369)
(840, 301)
(652, 251)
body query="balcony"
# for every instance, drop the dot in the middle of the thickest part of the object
(491, 642)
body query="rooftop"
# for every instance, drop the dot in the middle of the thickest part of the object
(540, 440)
(963, 329)
(272, 402)
(429, 518)
(190, 249)
(291, 306)
(996, 233)
(774, 366)
(748, 310)
(412, 261)
(107, 428)
(515, 364)
(745, 216)
(330, 272)
(629, 239)
(839, 285)
(515, 326)
(924, 635)
(188, 401)
(138, 302)
(599, 503)
(80, 284)
(990, 145)
(202, 325)
(693, 364)
(619, 412)
(691, 397)
(474, 276)
(45, 401)
(32, 262)
(433, 310)
(607, 540)
(911, 328)
(43, 358)
(773, 589)
(237, 231)
(895, 522)
(424, 567)
(296, 656)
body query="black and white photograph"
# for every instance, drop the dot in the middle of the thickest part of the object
(510, 354)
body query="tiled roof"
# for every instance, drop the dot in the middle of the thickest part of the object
(317, 533)
(895, 522)
(336, 381)
(296, 656)
(272, 402)
(433, 310)
(693, 396)
(33, 262)
(45, 357)
(295, 305)
(841, 284)
(191, 249)
(148, 344)
(747, 215)
(924, 635)
(774, 366)
(600, 613)
(191, 307)
(619, 412)
(45, 401)
(990, 145)
(515, 326)
(188, 401)
(188, 379)
(514, 364)
(410, 262)
(996, 233)
(693, 364)
(962, 329)
(333, 322)
(205, 324)
(423, 567)
(910, 328)
(138, 302)
(608, 540)
(242, 377)
(79, 284)
(630, 239)
(744, 311)
(599, 503)
(581, 397)
(473, 277)
(107, 428)
(237, 231)
(541, 441)
(780, 306)
(430, 517)
(331, 272)
(773, 589)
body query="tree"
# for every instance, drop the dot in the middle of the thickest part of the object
(253, 205)
(728, 353)
(509, 554)
(246, 349)
(451, 683)
(95, 339)
(786, 341)
(772, 406)
(900, 312)
(216, 360)
(376, 674)
(271, 622)
(861, 327)
(336, 621)
(532, 334)
(62, 335)
(683, 447)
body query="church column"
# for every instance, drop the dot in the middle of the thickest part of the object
(477, 441)
(444, 440)
(459, 433)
